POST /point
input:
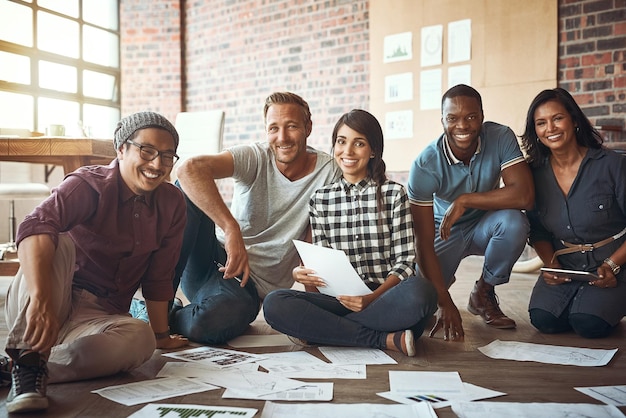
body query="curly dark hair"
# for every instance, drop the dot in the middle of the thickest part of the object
(586, 134)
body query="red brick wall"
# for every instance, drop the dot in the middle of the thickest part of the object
(238, 51)
(150, 56)
(592, 59)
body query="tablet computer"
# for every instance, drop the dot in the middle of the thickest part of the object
(583, 276)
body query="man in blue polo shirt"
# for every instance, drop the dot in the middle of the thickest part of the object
(460, 208)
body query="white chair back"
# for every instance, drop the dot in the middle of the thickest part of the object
(200, 133)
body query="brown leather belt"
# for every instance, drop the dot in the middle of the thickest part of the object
(583, 248)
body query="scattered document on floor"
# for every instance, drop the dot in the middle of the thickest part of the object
(610, 395)
(363, 410)
(217, 357)
(258, 383)
(356, 355)
(534, 410)
(320, 371)
(260, 340)
(551, 354)
(289, 358)
(332, 266)
(430, 387)
(191, 369)
(472, 393)
(310, 392)
(182, 410)
(152, 390)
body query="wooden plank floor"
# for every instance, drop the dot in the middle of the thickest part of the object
(522, 381)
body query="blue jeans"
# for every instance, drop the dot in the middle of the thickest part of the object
(219, 309)
(319, 318)
(498, 235)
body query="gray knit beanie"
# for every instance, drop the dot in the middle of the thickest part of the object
(140, 120)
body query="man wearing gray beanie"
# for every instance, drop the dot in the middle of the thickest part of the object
(104, 232)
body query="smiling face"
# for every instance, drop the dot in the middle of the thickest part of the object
(554, 125)
(352, 153)
(287, 131)
(142, 176)
(462, 121)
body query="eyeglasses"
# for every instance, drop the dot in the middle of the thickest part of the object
(149, 153)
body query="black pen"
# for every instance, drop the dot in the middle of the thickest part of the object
(220, 265)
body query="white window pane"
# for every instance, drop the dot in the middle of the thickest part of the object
(16, 23)
(100, 121)
(58, 112)
(15, 68)
(58, 35)
(100, 47)
(101, 13)
(67, 7)
(57, 77)
(99, 85)
(16, 111)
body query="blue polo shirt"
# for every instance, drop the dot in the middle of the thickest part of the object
(437, 177)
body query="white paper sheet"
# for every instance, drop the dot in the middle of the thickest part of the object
(534, 410)
(551, 354)
(472, 393)
(216, 357)
(356, 355)
(322, 391)
(152, 390)
(184, 410)
(610, 395)
(239, 379)
(430, 387)
(334, 268)
(311, 410)
(319, 371)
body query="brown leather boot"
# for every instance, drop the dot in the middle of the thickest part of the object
(483, 301)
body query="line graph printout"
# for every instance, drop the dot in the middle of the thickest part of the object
(551, 354)
(185, 411)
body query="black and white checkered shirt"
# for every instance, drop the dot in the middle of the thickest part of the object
(345, 217)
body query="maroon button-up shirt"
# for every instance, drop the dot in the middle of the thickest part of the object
(122, 240)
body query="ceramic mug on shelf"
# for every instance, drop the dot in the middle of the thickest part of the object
(55, 130)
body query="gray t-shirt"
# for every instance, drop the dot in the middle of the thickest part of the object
(272, 211)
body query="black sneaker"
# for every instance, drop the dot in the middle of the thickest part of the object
(28, 389)
(5, 371)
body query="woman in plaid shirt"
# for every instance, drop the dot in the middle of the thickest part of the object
(368, 217)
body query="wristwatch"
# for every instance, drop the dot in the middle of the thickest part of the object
(616, 269)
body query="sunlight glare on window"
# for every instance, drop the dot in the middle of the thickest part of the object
(98, 85)
(58, 35)
(100, 47)
(15, 68)
(16, 23)
(57, 77)
(16, 111)
(61, 112)
(102, 13)
(67, 7)
(101, 120)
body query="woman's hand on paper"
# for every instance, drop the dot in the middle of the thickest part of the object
(307, 277)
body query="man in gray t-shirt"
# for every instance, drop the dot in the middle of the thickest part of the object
(231, 258)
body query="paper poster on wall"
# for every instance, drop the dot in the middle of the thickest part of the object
(399, 87)
(430, 89)
(398, 47)
(432, 45)
(460, 40)
(459, 74)
(399, 124)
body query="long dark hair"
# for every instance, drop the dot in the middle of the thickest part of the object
(366, 124)
(586, 134)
